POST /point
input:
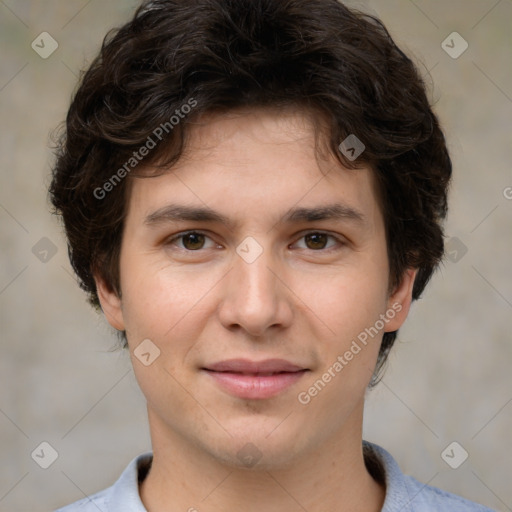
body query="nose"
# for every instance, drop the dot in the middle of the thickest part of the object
(256, 297)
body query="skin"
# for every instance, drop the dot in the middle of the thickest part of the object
(301, 300)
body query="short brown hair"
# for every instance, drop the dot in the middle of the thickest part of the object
(227, 54)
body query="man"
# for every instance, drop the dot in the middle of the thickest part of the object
(253, 193)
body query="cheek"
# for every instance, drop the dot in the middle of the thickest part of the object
(350, 309)
(166, 309)
(149, 300)
(170, 306)
(348, 302)
(168, 396)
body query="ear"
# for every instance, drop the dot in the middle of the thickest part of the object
(110, 304)
(400, 300)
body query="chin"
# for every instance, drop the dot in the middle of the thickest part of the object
(256, 450)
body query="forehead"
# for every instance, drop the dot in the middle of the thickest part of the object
(230, 137)
(276, 158)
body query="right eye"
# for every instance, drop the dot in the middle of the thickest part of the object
(191, 241)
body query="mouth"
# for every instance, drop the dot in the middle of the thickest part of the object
(254, 380)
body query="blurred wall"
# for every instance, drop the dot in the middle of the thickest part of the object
(448, 379)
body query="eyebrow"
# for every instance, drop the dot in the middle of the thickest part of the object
(176, 213)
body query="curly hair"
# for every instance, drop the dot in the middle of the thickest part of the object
(225, 54)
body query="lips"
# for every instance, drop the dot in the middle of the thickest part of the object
(245, 366)
(254, 380)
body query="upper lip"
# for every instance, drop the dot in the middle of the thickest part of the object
(248, 366)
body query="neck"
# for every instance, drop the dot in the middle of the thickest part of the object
(184, 477)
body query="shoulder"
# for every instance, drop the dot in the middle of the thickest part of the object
(92, 503)
(425, 497)
(406, 494)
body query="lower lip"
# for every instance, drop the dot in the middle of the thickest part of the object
(253, 387)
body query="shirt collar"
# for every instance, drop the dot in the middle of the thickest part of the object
(125, 495)
(397, 494)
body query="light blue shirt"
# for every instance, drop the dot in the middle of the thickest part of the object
(403, 493)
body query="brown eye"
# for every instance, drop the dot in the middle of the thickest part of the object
(188, 242)
(193, 241)
(320, 242)
(316, 241)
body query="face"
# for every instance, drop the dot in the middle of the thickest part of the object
(258, 270)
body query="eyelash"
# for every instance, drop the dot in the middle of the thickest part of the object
(185, 233)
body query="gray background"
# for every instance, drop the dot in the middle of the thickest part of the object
(449, 376)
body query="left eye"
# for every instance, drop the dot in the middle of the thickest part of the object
(317, 241)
